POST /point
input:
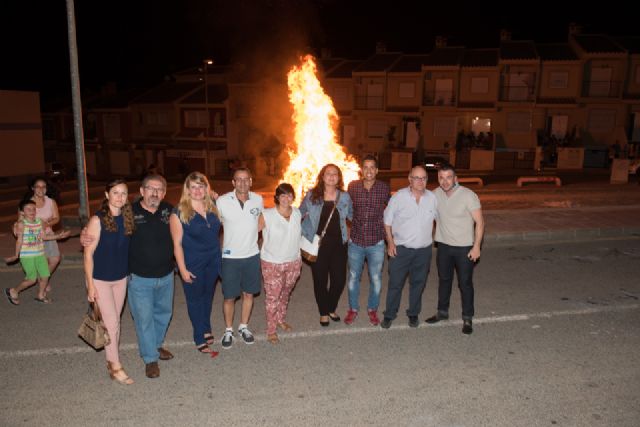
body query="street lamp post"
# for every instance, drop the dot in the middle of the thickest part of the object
(207, 163)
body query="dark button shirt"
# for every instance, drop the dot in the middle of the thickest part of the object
(367, 227)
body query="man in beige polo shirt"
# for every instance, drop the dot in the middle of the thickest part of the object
(459, 231)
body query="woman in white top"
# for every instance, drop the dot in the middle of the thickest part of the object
(280, 258)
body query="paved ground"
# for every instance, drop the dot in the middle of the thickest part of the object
(555, 343)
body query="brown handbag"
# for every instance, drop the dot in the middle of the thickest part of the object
(92, 329)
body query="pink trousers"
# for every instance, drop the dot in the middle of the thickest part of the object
(111, 297)
(279, 280)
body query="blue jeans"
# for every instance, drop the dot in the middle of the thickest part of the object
(374, 255)
(414, 263)
(448, 259)
(151, 305)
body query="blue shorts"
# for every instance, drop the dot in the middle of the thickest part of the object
(241, 275)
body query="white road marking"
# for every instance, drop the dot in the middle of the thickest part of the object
(343, 331)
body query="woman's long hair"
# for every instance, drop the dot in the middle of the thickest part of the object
(185, 209)
(107, 220)
(52, 190)
(317, 192)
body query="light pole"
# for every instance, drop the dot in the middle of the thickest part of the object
(207, 163)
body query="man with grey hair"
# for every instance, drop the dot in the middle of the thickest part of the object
(408, 223)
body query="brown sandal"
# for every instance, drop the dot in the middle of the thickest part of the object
(285, 326)
(273, 338)
(113, 372)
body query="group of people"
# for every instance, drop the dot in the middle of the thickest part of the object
(36, 246)
(141, 243)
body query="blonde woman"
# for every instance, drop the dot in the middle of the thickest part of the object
(106, 262)
(195, 228)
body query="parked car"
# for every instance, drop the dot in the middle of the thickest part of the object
(56, 172)
(434, 162)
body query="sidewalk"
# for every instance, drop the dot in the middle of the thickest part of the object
(517, 226)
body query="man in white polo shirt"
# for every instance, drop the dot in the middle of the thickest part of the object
(459, 232)
(241, 275)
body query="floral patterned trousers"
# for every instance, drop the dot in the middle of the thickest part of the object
(279, 280)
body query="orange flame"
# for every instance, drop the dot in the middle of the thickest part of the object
(315, 122)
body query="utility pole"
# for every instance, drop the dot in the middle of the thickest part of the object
(207, 161)
(83, 194)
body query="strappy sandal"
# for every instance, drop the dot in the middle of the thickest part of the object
(113, 374)
(12, 300)
(285, 326)
(203, 348)
(209, 339)
(273, 338)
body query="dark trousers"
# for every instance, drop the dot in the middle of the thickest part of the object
(199, 296)
(416, 264)
(448, 259)
(329, 274)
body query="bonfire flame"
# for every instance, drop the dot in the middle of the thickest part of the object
(315, 122)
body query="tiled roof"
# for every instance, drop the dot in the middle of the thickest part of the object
(476, 104)
(216, 93)
(480, 58)
(344, 70)
(117, 101)
(556, 52)
(409, 64)
(403, 109)
(444, 56)
(190, 133)
(166, 92)
(632, 44)
(556, 101)
(327, 64)
(378, 62)
(597, 43)
(510, 49)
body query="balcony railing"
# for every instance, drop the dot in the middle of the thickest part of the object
(438, 98)
(370, 103)
(601, 89)
(510, 93)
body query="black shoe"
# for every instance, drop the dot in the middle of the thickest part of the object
(436, 318)
(467, 327)
(334, 317)
(413, 321)
(324, 324)
(386, 323)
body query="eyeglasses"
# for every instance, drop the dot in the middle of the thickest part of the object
(418, 178)
(154, 189)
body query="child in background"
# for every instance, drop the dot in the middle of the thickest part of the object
(30, 251)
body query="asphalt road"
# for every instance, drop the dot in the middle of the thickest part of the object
(557, 332)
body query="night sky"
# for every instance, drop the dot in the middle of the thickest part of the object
(136, 43)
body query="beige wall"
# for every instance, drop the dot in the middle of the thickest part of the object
(574, 83)
(393, 90)
(465, 85)
(20, 134)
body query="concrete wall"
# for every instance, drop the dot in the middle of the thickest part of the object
(20, 135)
